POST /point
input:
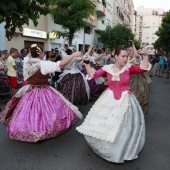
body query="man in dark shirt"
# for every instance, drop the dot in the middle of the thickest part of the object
(156, 60)
(57, 58)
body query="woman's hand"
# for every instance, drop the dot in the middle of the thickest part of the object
(86, 59)
(143, 52)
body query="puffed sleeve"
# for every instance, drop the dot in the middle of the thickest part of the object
(78, 58)
(63, 53)
(97, 74)
(92, 60)
(135, 69)
(49, 67)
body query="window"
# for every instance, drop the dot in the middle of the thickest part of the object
(87, 30)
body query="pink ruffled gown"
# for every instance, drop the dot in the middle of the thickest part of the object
(38, 111)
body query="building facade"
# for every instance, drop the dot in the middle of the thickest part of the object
(107, 12)
(123, 11)
(147, 22)
(29, 34)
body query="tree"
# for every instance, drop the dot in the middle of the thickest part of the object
(137, 43)
(72, 15)
(17, 13)
(157, 44)
(163, 42)
(118, 35)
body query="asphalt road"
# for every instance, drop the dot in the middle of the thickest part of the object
(70, 151)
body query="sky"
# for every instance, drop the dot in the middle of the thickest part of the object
(164, 4)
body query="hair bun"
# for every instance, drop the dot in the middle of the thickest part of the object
(35, 50)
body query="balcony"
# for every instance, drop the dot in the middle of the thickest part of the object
(91, 20)
(100, 9)
(100, 26)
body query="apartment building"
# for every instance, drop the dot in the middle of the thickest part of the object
(147, 22)
(123, 12)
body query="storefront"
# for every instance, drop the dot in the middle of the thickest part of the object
(26, 38)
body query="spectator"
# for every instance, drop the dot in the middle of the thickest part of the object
(49, 56)
(12, 69)
(24, 52)
(151, 61)
(57, 57)
(168, 67)
(3, 66)
(19, 65)
(156, 60)
(112, 58)
(53, 51)
(161, 64)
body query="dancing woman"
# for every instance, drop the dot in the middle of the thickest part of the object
(138, 82)
(114, 127)
(72, 82)
(37, 111)
(97, 85)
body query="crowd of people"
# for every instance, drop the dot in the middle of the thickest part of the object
(160, 64)
(114, 127)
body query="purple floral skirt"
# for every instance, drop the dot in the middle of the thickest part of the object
(73, 88)
(94, 87)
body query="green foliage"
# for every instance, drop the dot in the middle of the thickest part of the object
(137, 43)
(163, 42)
(16, 13)
(71, 14)
(118, 35)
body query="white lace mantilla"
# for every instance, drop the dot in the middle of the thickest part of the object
(104, 118)
(31, 65)
(147, 69)
(115, 76)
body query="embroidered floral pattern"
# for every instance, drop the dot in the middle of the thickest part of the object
(31, 65)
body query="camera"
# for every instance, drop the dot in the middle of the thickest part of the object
(86, 61)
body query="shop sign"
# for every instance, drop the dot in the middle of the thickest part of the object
(53, 35)
(34, 33)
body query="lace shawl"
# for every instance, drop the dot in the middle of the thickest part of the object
(115, 76)
(31, 65)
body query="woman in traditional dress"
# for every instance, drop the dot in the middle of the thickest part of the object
(37, 111)
(97, 86)
(72, 83)
(114, 127)
(138, 82)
